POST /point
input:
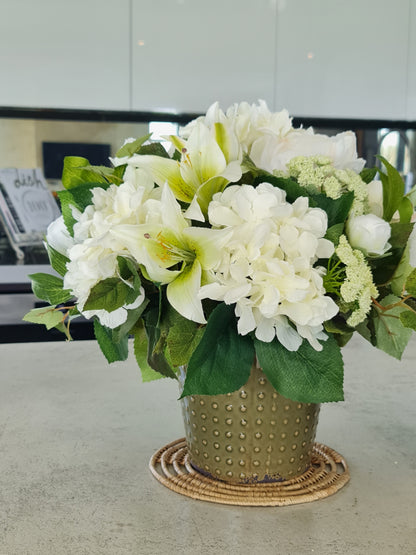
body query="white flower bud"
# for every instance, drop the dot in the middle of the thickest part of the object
(369, 233)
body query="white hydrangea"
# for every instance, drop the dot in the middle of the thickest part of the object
(272, 152)
(267, 266)
(93, 256)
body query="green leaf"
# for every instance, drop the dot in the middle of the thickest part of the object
(129, 149)
(222, 361)
(334, 233)
(49, 288)
(47, 315)
(76, 171)
(58, 261)
(368, 174)
(111, 350)
(411, 195)
(408, 319)
(183, 338)
(109, 294)
(140, 352)
(157, 341)
(391, 336)
(393, 189)
(305, 375)
(405, 210)
(132, 317)
(154, 149)
(411, 283)
(336, 209)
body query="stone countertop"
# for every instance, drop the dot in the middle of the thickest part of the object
(76, 436)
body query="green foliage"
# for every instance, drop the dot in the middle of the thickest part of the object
(111, 350)
(140, 352)
(154, 149)
(47, 315)
(78, 171)
(391, 335)
(129, 149)
(410, 285)
(58, 261)
(157, 331)
(222, 361)
(110, 294)
(49, 288)
(182, 339)
(334, 233)
(305, 375)
(405, 210)
(408, 319)
(393, 189)
(368, 174)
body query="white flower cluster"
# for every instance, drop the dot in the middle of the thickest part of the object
(271, 141)
(94, 249)
(267, 265)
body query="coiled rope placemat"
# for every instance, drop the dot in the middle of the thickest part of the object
(328, 474)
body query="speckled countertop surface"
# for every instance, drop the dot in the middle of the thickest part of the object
(76, 436)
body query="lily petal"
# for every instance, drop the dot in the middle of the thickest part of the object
(207, 244)
(182, 293)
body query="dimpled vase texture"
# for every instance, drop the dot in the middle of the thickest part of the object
(251, 435)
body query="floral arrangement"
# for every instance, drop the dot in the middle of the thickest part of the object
(252, 238)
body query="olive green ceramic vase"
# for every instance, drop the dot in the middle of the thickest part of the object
(251, 435)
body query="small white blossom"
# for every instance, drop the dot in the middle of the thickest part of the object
(358, 286)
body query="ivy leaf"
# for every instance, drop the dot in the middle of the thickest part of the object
(305, 375)
(109, 294)
(393, 189)
(411, 283)
(77, 171)
(183, 338)
(222, 361)
(111, 350)
(58, 261)
(47, 315)
(49, 288)
(154, 149)
(408, 319)
(391, 335)
(129, 149)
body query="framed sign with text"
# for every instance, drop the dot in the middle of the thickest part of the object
(27, 206)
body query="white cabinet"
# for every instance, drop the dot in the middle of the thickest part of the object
(411, 90)
(338, 58)
(61, 54)
(190, 53)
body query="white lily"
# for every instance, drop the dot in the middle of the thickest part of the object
(210, 159)
(174, 253)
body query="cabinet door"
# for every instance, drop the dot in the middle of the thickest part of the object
(190, 53)
(61, 54)
(411, 86)
(338, 58)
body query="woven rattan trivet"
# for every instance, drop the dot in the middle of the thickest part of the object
(329, 473)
